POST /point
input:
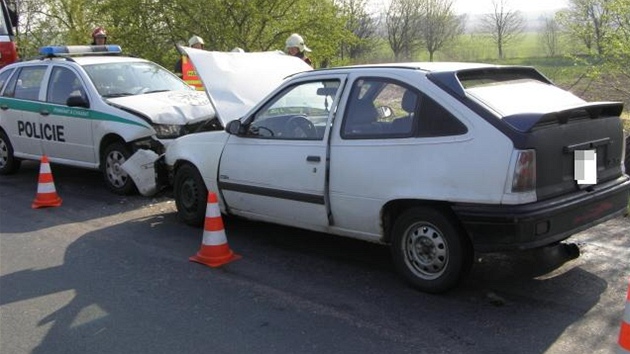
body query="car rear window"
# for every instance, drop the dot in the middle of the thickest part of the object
(522, 96)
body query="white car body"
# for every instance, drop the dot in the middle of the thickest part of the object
(460, 174)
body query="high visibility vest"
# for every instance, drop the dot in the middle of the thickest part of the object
(190, 75)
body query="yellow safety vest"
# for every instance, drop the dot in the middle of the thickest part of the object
(190, 75)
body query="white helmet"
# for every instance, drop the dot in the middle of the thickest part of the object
(295, 40)
(237, 50)
(195, 40)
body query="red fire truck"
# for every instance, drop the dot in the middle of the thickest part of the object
(8, 47)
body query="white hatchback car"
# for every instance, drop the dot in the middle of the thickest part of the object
(437, 160)
(90, 107)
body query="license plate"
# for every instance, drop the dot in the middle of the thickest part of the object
(585, 170)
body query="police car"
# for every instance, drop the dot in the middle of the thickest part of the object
(91, 107)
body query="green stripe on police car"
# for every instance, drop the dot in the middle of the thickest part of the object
(74, 112)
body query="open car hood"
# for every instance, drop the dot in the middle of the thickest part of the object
(171, 107)
(236, 82)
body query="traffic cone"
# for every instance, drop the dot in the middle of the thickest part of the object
(214, 250)
(624, 332)
(46, 193)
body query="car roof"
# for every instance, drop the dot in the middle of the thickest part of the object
(97, 59)
(428, 67)
(82, 60)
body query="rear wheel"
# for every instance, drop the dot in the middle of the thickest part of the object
(191, 195)
(8, 163)
(117, 180)
(430, 250)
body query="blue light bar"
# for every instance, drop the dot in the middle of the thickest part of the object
(68, 50)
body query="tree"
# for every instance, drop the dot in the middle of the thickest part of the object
(504, 25)
(362, 25)
(616, 45)
(587, 20)
(439, 24)
(151, 28)
(550, 35)
(53, 22)
(403, 30)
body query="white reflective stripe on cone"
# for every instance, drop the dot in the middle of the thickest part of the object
(214, 238)
(45, 168)
(46, 187)
(212, 211)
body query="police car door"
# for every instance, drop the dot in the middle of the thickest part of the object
(276, 170)
(20, 107)
(68, 130)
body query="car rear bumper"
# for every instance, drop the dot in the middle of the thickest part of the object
(517, 227)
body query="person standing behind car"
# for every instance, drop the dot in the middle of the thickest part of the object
(99, 36)
(193, 42)
(295, 46)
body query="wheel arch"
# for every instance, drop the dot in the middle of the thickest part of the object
(105, 142)
(396, 207)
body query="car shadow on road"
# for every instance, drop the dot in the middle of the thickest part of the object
(129, 287)
(72, 185)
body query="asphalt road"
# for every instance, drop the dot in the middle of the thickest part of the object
(109, 274)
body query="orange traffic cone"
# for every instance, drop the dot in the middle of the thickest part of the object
(214, 250)
(624, 333)
(46, 193)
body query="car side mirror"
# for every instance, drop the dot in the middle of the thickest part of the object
(77, 101)
(234, 127)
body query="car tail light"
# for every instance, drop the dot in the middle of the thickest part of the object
(524, 178)
(8, 53)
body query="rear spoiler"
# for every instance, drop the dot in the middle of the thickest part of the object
(524, 122)
(456, 81)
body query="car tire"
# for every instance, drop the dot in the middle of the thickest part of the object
(116, 179)
(8, 163)
(430, 250)
(191, 195)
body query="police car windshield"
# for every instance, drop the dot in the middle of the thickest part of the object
(132, 78)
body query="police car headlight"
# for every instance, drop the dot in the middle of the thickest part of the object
(167, 131)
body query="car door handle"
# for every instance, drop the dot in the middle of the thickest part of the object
(44, 112)
(312, 158)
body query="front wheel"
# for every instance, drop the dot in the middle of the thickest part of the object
(191, 195)
(429, 249)
(117, 180)
(8, 163)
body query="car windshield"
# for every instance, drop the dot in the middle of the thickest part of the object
(4, 27)
(523, 96)
(132, 78)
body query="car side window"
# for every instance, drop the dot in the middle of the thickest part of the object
(380, 108)
(435, 120)
(26, 84)
(63, 83)
(4, 77)
(300, 112)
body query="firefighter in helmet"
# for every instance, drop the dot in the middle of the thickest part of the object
(295, 46)
(99, 36)
(185, 69)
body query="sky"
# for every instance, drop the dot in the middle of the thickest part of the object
(485, 6)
